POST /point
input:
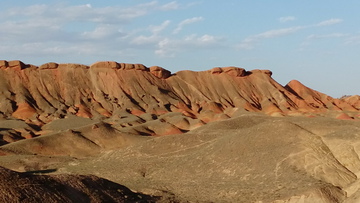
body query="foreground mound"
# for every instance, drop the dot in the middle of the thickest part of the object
(22, 187)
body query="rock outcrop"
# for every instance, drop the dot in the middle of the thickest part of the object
(160, 72)
(39, 95)
(54, 90)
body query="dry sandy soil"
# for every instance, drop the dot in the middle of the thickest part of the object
(116, 132)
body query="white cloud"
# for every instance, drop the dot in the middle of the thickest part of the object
(207, 39)
(62, 13)
(203, 40)
(249, 42)
(169, 47)
(154, 37)
(102, 31)
(144, 40)
(159, 28)
(67, 31)
(32, 31)
(170, 6)
(86, 32)
(165, 48)
(194, 3)
(332, 35)
(315, 37)
(48, 50)
(353, 40)
(286, 19)
(278, 32)
(330, 22)
(187, 22)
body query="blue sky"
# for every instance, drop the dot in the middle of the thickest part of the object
(315, 42)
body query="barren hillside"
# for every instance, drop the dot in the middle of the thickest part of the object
(222, 135)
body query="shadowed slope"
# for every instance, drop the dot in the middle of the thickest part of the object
(21, 187)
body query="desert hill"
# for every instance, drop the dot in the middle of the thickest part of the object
(254, 158)
(222, 135)
(136, 93)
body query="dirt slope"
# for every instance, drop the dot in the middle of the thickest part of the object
(249, 158)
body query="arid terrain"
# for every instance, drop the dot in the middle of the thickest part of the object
(117, 132)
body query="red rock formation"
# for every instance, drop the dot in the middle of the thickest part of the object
(344, 116)
(160, 72)
(216, 70)
(352, 100)
(316, 99)
(24, 111)
(56, 90)
(49, 66)
(234, 71)
(106, 64)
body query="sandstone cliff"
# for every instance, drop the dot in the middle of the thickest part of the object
(40, 94)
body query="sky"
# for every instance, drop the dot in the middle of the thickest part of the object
(315, 42)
